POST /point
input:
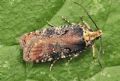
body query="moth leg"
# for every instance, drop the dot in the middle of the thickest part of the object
(96, 57)
(81, 18)
(72, 57)
(50, 24)
(93, 50)
(51, 66)
(68, 61)
(65, 19)
(86, 25)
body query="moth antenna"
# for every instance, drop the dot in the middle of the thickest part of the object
(88, 15)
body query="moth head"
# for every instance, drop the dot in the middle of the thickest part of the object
(98, 34)
(92, 35)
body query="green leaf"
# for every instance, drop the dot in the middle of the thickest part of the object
(21, 16)
(11, 64)
(108, 74)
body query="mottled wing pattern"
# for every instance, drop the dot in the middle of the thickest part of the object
(52, 43)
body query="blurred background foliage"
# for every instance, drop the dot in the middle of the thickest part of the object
(20, 16)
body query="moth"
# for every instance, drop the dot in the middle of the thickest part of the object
(54, 43)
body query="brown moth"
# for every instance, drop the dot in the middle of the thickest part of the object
(54, 43)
